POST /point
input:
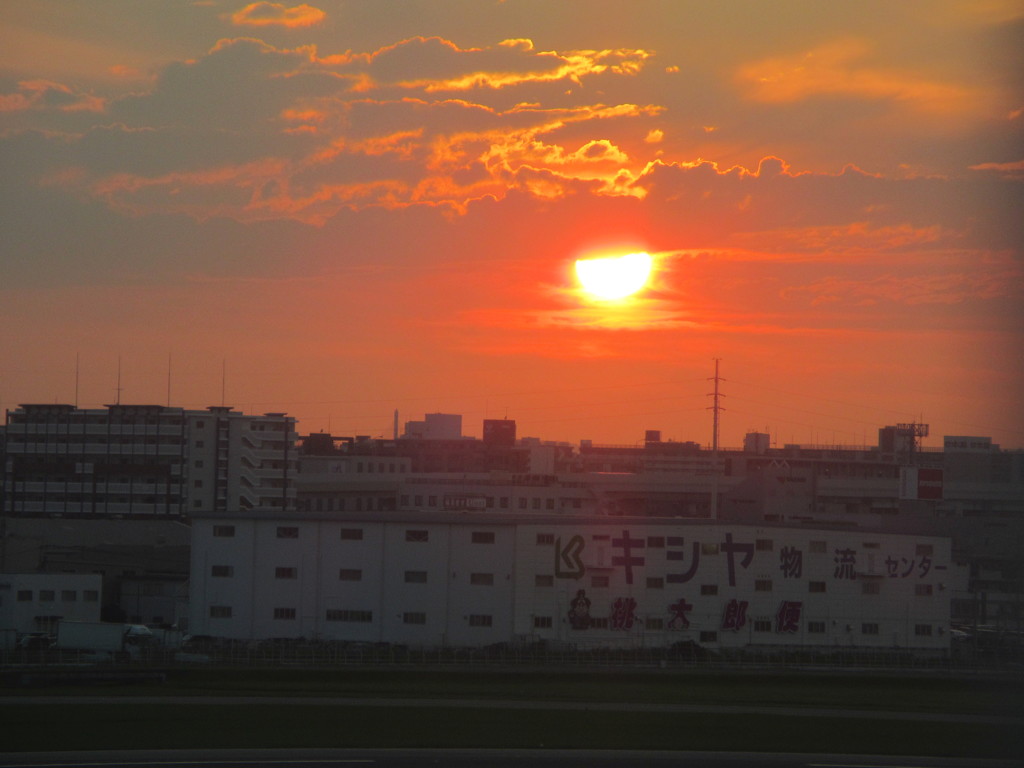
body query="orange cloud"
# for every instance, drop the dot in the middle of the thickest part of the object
(835, 69)
(441, 65)
(857, 237)
(950, 288)
(44, 94)
(1013, 170)
(265, 14)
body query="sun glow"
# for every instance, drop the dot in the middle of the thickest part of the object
(616, 277)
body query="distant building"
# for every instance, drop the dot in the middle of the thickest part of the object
(145, 460)
(35, 602)
(500, 432)
(435, 426)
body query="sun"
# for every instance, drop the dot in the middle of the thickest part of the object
(614, 277)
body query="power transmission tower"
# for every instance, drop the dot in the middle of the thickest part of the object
(716, 408)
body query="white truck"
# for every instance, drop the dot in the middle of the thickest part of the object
(103, 638)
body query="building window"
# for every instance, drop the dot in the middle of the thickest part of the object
(479, 620)
(363, 617)
(923, 630)
(709, 637)
(655, 582)
(414, 617)
(220, 611)
(870, 587)
(816, 586)
(47, 596)
(222, 571)
(287, 532)
(91, 596)
(816, 627)
(543, 580)
(654, 623)
(544, 538)
(24, 595)
(285, 572)
(199, 444)
(198, 483)
(417, 535)
(869, 629)
(764, 545)
(762, 585)
(350, 574)
(483, 537)
(284, 613)
(762, 625)
(542, 622)
(549, 504)
(818, 546)
(922, 590)
(351, 534)
(415, 577)
(522, 505)
(481, 579)
(709, 589)
(224, 531)
(598, 581)
(535, 503)
(655, 542)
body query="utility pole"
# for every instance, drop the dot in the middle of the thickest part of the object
(715, 409)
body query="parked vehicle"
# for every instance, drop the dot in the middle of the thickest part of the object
(35, 641)
(100, 637)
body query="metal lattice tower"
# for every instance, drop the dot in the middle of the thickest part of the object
(716, 408)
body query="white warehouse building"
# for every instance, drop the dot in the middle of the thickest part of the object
(471, 580)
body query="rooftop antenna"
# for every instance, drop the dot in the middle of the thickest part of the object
(118, 379)
(395, 429)
(223, 379)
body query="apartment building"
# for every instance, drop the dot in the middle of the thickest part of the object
(145, 461)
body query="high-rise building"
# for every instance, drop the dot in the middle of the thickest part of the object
(145, 460)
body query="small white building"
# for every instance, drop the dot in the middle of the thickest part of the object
(468, 579)
(35, 602)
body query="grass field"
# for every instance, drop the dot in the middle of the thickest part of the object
(120, 722)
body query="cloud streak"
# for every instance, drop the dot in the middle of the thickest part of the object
(265, 14)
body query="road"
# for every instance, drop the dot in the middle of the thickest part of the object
(514, 704)
(471, 758)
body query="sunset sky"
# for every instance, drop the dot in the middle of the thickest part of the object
(341, 208)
